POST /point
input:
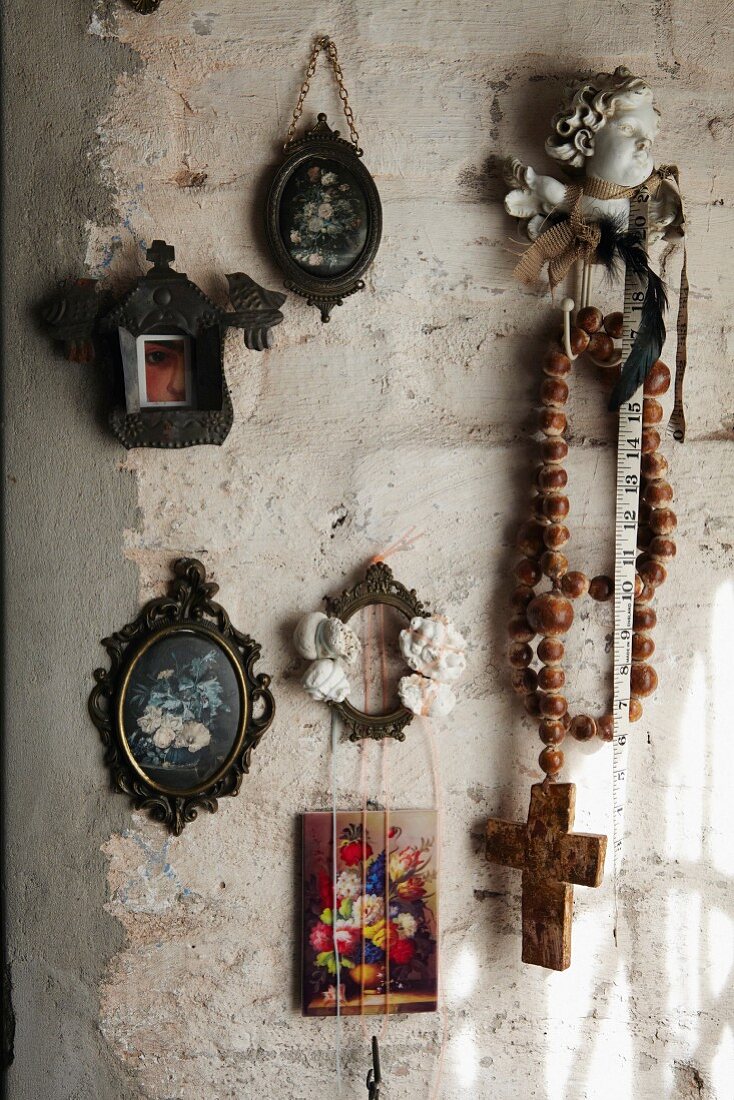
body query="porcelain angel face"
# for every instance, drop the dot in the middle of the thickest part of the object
(606, 130)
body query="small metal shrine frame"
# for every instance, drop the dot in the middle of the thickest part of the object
(324, 218)
(165, 343)
(181, 708)
(378, 587)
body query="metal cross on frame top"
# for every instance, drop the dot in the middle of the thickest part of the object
(553, 860)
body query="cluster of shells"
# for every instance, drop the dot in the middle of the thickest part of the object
(436, 652)
(331, 646)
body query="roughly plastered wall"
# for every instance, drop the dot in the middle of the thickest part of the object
(411, 409)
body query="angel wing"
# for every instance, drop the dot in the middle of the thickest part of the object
(70, 315)
(257, 310)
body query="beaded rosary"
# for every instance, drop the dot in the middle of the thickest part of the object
(607, 129)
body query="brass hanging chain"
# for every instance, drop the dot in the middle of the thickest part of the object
(323, 42)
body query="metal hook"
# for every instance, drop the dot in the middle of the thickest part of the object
(374, 1077)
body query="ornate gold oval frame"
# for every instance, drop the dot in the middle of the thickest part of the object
(190, 609)
(378, 587)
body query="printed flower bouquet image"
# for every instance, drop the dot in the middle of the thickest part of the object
(182, 711)
(325, 218)
(370, 935)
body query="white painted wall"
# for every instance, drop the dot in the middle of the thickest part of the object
(412, 408)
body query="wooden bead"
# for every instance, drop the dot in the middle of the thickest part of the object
(614, 325)
(552, 706)
(553, 392)
(519, 629)
(551, 678)
(574, 585)
(654, 466)
(601, 588)
(550, 651)
(550, 732)
(601, 347)
(550, 614)
(555, 536)
(661, 548)
(520, 655)
(590, 319)
(529, 539)
(638, 585)
(658, 380)
(663, 521)
(532, 704)
(524, 680)
(605, 728)
(552, 422)
(644, 617)
(555, 507)
(650, 440)
(557, 365)
(635, 711)
(528, 571)
(578, 340)
(554, 565)
(643, 681)
(538, 509)
(549, 478)
(656, 493)
(583, 727)
(551, 760)
(652, 412)
(647, 595)
(652, 572)
(553, 450)
(521, 597)
(643, 647)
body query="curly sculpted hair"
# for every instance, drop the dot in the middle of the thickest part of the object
(592, 104)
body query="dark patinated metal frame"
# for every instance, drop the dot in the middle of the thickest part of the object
(378, 587)
(165, 301)
(190, 609)
(145, 7)
(324, 293)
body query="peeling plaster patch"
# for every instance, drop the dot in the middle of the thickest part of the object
(203, 24)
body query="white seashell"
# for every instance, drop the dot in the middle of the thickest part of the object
(326, 681)
(435, 648)
(427, 698)
(306, 633)
(335, 639)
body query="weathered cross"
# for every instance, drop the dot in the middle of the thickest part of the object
(161, 255)
(553, 860)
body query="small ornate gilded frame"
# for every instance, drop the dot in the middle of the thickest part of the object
(181, 708)
(378, 587)
(324, 180)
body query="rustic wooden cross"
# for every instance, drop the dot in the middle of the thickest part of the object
(553, 860)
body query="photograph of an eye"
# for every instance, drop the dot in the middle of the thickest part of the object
(164, 371)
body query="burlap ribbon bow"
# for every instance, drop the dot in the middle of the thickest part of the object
(575, 238)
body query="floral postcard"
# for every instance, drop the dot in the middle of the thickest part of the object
(381, 912)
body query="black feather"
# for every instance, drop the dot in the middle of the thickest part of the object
(650, 335)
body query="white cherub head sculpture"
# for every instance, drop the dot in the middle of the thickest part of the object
(608, 129)
(605, 131)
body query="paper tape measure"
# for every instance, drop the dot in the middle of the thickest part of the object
(629, 453)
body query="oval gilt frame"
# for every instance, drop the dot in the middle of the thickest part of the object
(378, 587)
(330, 291)
(190, 609)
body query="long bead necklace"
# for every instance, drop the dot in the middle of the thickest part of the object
(549, 615)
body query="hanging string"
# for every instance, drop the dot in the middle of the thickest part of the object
(334, 868)
(438, 796)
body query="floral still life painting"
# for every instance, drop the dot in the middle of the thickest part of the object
(182, 710)
(324, 218)
(376, 924)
